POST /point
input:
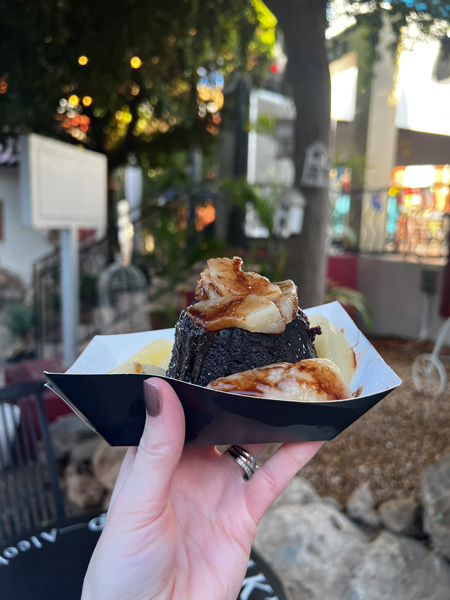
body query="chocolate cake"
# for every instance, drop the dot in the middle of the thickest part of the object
(201, 356)
(239, 321)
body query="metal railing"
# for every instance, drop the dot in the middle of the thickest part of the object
(47, 291)
(30, 495)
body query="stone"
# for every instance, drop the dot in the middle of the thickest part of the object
(66, 432)
(72, 424)
(83, 452)
(82, 488)
(435, 495)
(361, 506)
(299, 491)
(402, 569)
(333, 502)
(106, 464)
(313, 548)
(402, 516)
(63, 444)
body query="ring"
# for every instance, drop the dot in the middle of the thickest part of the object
(244, 459)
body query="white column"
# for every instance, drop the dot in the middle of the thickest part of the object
(69, 294)
(381, 147)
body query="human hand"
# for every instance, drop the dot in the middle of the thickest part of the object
(182, 521)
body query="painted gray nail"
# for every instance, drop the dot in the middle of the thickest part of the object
(152, 395)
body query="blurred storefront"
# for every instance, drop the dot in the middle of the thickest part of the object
(389, 177)
(390, 194)
(417, 211)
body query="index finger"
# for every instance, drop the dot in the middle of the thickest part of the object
(272, 478)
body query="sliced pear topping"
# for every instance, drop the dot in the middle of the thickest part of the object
(205, 289)
(310, 380)
(333, 345)
(287, 303)
(224, 278)
(229, 280)
(250, 312)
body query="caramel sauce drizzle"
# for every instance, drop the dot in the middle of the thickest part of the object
(322, 381)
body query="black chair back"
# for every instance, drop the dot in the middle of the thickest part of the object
(30, 496)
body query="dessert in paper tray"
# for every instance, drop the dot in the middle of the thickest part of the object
(247, 364)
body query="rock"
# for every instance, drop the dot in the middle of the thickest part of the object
(83, 452)
(72, 424)
(435, 494)
(106, 464)
(361, 506)
(66, 432)
(63, 444)
(333, 502)
(82, 488)
(402, 516)
(402, 569)
(313, 548)
(299, 491)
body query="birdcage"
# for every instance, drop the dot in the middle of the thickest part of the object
(123, 299)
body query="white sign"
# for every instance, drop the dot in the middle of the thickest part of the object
(316, 166)
(62, 186)
(264, 165)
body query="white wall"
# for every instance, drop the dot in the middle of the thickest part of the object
(344, 84)
(423, 104)
(396, 301)
(381, 148)
(21, 246)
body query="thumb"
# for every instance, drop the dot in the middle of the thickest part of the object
(146, 491)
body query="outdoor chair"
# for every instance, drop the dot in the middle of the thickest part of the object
(29, 490)
(43, 553)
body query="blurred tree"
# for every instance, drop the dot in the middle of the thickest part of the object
(145, 78)
(136, 77)
(303, 23)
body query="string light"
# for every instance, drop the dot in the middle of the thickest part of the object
(135, 62)
(87, 101)
(73, 100)
(83, 60)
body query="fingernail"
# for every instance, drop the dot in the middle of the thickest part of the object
(152, 395)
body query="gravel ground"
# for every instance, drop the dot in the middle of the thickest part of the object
(391, 444)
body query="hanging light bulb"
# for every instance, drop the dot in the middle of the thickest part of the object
(135, 62)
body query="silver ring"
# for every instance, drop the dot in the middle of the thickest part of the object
(244, 459)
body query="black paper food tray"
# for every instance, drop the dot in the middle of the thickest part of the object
(113, 405)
